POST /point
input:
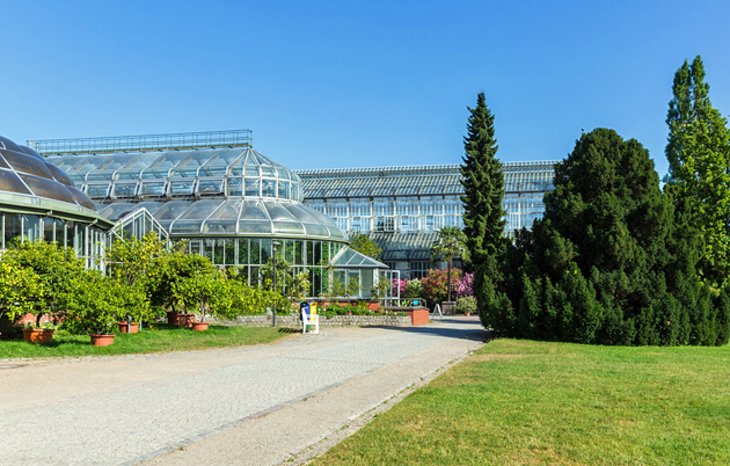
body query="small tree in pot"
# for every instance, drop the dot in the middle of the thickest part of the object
(206, 292)
(93, 306)
(19, 288)
(56, 268)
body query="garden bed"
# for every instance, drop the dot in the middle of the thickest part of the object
(400, 319)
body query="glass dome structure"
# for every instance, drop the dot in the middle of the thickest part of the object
(229, 172)
(231, 203)
(38, 201)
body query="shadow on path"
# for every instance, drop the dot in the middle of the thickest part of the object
(468, 330)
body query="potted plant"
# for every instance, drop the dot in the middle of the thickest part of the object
(134, 308)
(93, 307)
(204, 291)
(55, 268)
(19, 287)
(466, 305)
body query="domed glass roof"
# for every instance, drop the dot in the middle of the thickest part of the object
(28, 181)
(234, 217)
(224, 191)
(230, 172)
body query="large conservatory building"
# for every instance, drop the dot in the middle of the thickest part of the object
(402, 208)
(229, 201)
(38, 201)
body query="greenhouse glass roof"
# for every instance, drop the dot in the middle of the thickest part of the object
(29, 184)
(427, 180)
(232, 172)
(234, 217)
(347, 258)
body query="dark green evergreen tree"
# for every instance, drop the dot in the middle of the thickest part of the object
(613, 258)
(483, 183)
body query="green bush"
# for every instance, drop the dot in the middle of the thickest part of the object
(94, 304)
(466, 304)
(413, 289)
(54, 268)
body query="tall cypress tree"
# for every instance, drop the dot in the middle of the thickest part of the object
(483, 183)
(698, 150)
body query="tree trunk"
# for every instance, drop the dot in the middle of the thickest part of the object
(448, 278)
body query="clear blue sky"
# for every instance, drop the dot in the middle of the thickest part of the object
(356, 83)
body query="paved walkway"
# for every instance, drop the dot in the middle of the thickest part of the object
(254, 405)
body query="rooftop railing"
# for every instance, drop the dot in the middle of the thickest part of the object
(144, 142)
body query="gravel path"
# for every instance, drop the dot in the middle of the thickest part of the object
(264, 404)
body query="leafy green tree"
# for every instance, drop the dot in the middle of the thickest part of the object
(175, 265)
(283, 274)
(698, 151)
(204, 291)
(483, 182)
(19, 289)
(93, 305)
(138, 261)
(55, 267)
(361, 243)
(451, 243)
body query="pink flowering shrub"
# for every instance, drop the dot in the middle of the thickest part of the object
(465, 286)
(399, 284)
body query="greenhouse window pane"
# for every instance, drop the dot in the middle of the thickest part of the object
(152, 188)
(125, 189)
(26, 163)
(253, 210)
(254, 226)
(253, 186)
(268, 188)
(10, 182)
(283, 190)
(43, 187)
(289, 228)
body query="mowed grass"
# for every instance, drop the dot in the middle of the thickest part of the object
(525, 402)
(162, 338)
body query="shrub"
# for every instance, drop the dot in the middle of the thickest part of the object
(434, 284)
(204, 292)
(94, 303)
(413, 289)
(55, 268)
(466, 285)
(20, 288)
(466, 304)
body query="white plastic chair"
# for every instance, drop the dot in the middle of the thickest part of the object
(308, 319)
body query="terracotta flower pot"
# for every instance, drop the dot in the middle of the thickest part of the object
(373, 306)
(133, 327)
(199, 326)
(102, 340)
(41, 336)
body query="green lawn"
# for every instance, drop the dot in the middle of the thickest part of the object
(524, 402)
(162, 338)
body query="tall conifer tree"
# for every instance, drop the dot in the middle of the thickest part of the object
(484, 223)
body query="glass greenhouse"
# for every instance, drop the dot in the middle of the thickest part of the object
(38, 201)
(402, 208)
(229, 201)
